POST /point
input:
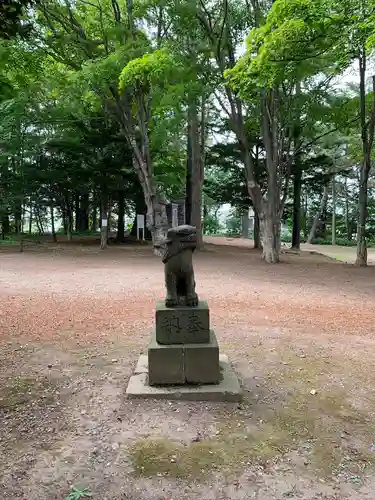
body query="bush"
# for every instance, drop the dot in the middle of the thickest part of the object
(233, 225)
(211, 225)
(339, 241)
(286, 238)
(344, 242)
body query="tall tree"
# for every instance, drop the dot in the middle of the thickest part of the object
(299, 39)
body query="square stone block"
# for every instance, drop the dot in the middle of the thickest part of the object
(202, 362)
(182, 325)
(165, 364)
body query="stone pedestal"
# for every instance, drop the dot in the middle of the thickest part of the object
(183, 350)
(183, 359)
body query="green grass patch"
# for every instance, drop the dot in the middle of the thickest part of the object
(155, 457)
(325, 427)
(228, 453)
(9, 243)
(320, 420)
(21, 391)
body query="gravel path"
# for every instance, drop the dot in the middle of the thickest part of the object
(77, 319)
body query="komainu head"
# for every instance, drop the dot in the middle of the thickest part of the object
(178, 239)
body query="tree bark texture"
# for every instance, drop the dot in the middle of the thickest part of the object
(53, 229)
(5, 226)
(18, 218)
(196, 171)
(367, 133)
(69, 217)
(270, 237)
(121, 214)
(188, 180)
(333, 211)
(77, 212)
(297, 187)
(319, 215)
(103, 220)
(30, 218)
(257, 242)
(94, 218)
(245, 223)
(84, 213)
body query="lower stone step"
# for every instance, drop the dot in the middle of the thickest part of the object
(227, 390)
(183, 363)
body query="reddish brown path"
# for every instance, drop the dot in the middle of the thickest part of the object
(300, 336)
(81, 290)
(343, 254)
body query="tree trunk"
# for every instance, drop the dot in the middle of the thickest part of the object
(257, 242)
(270, 237)
(84, 213)
(297, 178)
(104, 221)
(318, 215)
(121, 214)
(30, 218)
(361, 259)
(38, 219)
(77, 213)
(297, 187)
(19, 230)
(69, 217)
(53, 230)
(157, 223)
(156, 217)
(5, 226)
(94, 221)
(305, 212)
(196, 171)
(18, 219)
(188, 180)
(157, 220)
(245, 224)
(69, 232)
(271, 210)
(64, 217)
(348, 221)
(367, 133)
(333, 211)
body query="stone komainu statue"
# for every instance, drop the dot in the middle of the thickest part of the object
(178, 266)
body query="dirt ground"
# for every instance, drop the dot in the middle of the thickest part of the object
(73, 322)
(341, 253)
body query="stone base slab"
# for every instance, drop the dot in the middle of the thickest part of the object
(228, 390)
(181, 324)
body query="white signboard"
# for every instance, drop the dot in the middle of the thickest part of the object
(104, 223)
(140, 221)
(140, 225)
